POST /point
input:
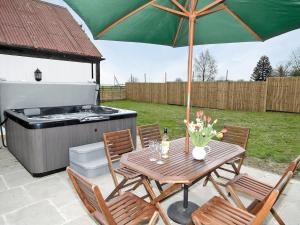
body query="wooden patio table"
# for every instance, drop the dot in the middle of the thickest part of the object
(180, 169)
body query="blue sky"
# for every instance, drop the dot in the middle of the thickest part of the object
(123, 59)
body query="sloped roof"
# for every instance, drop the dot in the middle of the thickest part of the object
(50, 31)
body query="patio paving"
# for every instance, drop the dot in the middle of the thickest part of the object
(51, 200)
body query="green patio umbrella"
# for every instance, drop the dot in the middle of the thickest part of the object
(179, 23)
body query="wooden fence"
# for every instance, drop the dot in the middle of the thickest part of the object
(111, 93)
(277, 94)
(283, 94)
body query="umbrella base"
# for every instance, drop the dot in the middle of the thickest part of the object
(181, 215)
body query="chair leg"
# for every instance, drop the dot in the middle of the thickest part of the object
(206, 181)
(115, 179)
(211, 179)
(117, 189)
(277, 217)
(159, 186)
(236, 171)
(235, 197)
(154, 218)
(240, 164)
(216, 173)
(137, 185)
(163, 215)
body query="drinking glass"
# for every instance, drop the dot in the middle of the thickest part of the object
(152, 146)
(160, 152)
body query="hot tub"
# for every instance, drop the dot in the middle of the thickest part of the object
(40, 138)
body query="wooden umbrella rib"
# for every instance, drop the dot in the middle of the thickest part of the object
(216, 2)
(124, 18)
(243, 23)
(194, 5)
(183, 9)
(179, 28)
(178, 31)
(210, 11)
(169, 9)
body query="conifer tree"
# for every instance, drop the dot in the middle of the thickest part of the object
(263, 69)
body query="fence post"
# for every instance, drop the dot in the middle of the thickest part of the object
(266, 94)
(166, 92)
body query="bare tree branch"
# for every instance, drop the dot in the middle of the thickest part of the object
(205, 67)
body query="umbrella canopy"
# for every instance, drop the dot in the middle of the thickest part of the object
(179, 23)
(165, 22)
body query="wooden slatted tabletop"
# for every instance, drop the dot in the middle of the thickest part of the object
(180, 167)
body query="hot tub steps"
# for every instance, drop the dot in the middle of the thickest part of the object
(89, 160)
(91, 169)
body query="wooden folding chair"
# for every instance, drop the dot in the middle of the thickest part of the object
(118, 143)
(218, 211)
(257, 190)
(147, 133)
(124, 209)
(239, 136)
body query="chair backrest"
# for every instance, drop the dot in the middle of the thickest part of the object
(272, 199)
(294, 165)
(264, 211)
(91, 197)
(236, 135)
(149, 133)
(117, 143)
(291, 169)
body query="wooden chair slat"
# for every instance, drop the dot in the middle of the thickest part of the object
(120, 151)
(234, 211)
(148, 133)
(119, 144)
(236, 135)
(219, 211)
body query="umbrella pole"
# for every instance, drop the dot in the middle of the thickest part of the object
(189, 80)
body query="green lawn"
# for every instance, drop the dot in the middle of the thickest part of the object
(273, 135)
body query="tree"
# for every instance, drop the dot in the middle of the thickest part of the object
(295, 62)
(205, 67)
(263, 69)
(282, 70)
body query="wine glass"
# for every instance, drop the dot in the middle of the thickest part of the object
(160, 152)
(152, 146)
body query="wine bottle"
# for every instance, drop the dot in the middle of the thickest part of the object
(165, 144)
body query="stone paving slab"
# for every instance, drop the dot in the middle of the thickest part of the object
(36, 214)
(52, 199)
(84, 220)
(18, 178)
(13, 199)
(73, 210)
